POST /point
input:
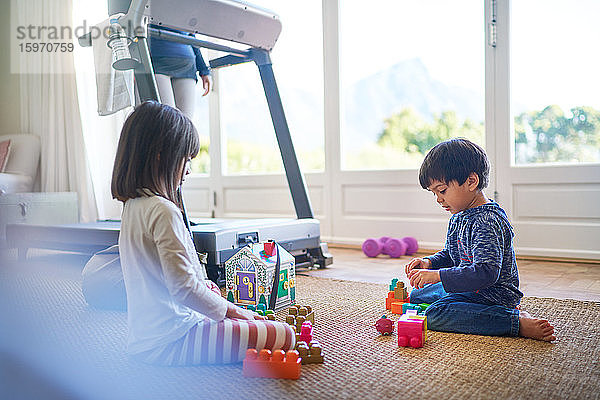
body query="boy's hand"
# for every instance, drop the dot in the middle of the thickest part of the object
(421, 277)
(422, 263)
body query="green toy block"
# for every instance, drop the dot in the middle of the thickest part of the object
(393, 284)
(410, 306)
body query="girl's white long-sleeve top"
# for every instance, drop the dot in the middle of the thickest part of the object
(167, 287)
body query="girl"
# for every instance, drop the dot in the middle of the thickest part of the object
(176, 316)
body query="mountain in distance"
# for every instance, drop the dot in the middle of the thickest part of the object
(365, 105)
(407, 84)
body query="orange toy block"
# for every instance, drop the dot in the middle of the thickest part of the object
(391, 299)
(396, 307)
(279, 365)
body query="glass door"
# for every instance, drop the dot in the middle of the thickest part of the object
(548, 124)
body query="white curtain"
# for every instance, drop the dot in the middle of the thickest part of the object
(49, 102)
(101, 133)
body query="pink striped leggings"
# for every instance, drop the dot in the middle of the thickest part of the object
(226, 341)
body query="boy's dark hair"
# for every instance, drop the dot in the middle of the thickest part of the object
(154, 141)
(454, 160)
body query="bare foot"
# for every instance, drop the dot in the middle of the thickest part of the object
(535, 328)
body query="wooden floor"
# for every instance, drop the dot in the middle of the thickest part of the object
(538, 278)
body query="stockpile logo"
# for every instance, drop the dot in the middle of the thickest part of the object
(44, 42)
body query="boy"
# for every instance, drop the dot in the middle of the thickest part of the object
(473, 283)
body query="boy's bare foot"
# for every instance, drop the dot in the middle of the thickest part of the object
(535, 328)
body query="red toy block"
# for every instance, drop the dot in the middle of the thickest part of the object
(270, 248)
(306, 332)
(279, 365)
(412, 329)
(388, 300)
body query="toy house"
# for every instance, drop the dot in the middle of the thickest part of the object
(250, 276)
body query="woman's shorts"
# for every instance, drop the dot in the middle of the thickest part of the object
(175, 67)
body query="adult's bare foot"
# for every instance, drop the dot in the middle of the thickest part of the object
(535, 328)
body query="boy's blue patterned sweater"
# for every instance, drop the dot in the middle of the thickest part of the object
(479, 256)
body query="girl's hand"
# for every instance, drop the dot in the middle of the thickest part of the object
(421, 277)
(421, 263)
(236, 312)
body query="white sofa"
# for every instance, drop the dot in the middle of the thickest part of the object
(22, 165)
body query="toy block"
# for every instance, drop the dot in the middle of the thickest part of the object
(310, 353)
(397, 307)
(384, 325)
(397, 293)
(261, 309)
(409, 306)
(306, 311)
(412, 329)
(400, 291)
(424, 306)
(295, 321)
(388, 300)
(298, 315)
(278, 365)
(306, 332)
(270, 248)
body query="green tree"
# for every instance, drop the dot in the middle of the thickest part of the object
(548, 135)
(408, 131)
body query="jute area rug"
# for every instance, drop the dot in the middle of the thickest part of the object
(80, 352)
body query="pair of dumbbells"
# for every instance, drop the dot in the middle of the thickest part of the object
(391, 246)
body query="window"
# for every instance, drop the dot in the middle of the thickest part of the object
(555, 81)
(298, 66)
(412, 75)
(201, 164)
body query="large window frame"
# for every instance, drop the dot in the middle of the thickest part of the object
(352, 205)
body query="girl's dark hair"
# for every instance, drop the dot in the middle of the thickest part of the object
(454, 160)
(154, 141)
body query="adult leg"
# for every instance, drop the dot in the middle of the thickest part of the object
(165, 89)
(184, 90)
(222, 342)
(428, 294)
(471, 313)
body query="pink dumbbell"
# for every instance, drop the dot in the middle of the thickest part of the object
(385, 245)
(394, 247)
(391, 246)
(372, 247)
(411, 245)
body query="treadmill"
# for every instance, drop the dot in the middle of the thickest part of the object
(228, 21)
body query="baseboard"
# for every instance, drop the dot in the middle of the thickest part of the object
(424, 252)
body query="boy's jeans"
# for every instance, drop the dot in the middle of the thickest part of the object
(465, 312)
